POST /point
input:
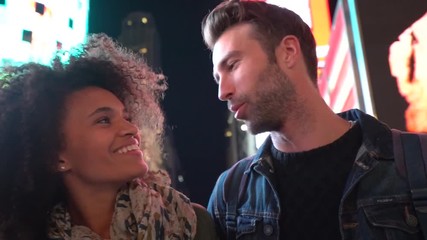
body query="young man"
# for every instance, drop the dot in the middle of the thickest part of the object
(319, 175)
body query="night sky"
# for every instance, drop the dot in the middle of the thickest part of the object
(191, 105)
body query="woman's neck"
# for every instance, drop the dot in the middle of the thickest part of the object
(93, 210)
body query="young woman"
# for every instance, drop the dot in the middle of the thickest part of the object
(75, 139)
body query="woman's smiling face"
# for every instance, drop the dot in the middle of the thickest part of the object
(102, 145)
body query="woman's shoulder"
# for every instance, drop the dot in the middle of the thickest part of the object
(205, 226)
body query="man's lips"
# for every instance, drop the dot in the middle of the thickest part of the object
(235, 108)
(238, 110)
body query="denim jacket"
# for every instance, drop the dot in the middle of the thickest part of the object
(375, 204)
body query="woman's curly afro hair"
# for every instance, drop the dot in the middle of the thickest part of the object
(32, 98)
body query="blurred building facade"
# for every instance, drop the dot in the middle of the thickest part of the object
(139, 33)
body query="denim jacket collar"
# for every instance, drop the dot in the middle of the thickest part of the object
(377, 136)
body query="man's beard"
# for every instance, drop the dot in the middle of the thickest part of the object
(273, 102)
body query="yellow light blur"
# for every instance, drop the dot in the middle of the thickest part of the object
(143, 50)
(144, 20)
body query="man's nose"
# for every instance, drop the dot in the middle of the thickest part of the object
(225, 88)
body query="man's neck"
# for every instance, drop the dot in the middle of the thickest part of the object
(313, 131)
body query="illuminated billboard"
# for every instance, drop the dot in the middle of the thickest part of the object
(381, 50)
(337, 83)
(408, 61)
(34, 30)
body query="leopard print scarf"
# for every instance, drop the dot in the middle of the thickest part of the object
(142, 212)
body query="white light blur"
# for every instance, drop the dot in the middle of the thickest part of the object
(260, 138)
(300, 7)
(244, 127)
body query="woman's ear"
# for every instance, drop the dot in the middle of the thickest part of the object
(62, 165)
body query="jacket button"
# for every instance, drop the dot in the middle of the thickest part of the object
(268, 230)
(411, 220)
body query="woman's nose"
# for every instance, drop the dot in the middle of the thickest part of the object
(129, 128)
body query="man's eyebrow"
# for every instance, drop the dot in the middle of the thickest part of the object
(228, 56)
(224, 60)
